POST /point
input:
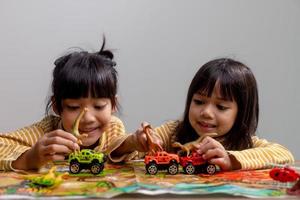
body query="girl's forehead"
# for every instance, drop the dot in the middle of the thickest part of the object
(215, 93)
(216, 90)
(86, 99)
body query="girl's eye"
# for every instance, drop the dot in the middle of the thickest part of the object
(220, 107)
(99, 107)
(73, 107)
(198, 101)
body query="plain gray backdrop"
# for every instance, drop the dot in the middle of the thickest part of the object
(158, 45)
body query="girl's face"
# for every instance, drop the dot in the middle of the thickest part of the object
(93, 121)
(212, 114)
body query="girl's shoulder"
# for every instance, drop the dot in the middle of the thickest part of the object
(116, 120)
(258, 142)
(49, 123)
(170, 125)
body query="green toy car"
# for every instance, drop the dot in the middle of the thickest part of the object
(86, 159)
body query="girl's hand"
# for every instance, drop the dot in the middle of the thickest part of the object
(140, 139)
(53, 146)
(136, 142)
(215, 153)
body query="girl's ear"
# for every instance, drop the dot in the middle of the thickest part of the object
(54, 106)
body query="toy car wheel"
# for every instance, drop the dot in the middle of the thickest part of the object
(152, 168)
(173, 168)
(96, 168)
(211, 169)
(74, 167)
(189, 169)
(101, 167)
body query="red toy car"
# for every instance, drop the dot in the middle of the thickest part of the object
(194, 163)
(162, 160)
(284, 174)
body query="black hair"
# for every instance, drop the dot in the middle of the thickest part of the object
(236, 82)
(80, 74)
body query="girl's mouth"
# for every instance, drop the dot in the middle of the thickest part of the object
(88, 130)
(206, 127)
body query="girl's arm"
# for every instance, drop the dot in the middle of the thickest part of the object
(32, 146)
(124, 147)
(112, 138)
(12, 147)
(14, 144)
(262, 155)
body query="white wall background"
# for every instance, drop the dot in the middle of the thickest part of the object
(159, 45)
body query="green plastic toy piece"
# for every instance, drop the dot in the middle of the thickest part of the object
(49, 180)
(86, 159)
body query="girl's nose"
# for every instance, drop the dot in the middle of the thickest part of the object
(207, 112)
(88, 116)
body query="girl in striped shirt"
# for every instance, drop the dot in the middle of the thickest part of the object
(80, 80)
(222, 99)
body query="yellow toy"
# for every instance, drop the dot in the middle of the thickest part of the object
(75, 127)
(49, 180)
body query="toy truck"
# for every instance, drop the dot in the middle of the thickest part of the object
(191, 164)
(194, 163)
(86, 159)
(162, 160)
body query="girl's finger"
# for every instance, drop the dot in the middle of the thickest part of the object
(203, 142)
(144, 124)
(61, 141)
(204, 147)
(223, 162)
(55, 157)
(139, 130)
(63, 134)
(56, 148)
(209, 142)
(208, 139)
(213, 153)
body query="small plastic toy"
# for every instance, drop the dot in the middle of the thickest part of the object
(196, 164)
(75, 127)
(49, 180)
(86, 159)
(190, 146)
(160, 161)
(287, 174)
(153, 147)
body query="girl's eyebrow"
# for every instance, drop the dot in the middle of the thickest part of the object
(222, 99)
(200, 93)
(218, 98)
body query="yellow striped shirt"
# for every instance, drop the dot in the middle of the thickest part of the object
(15, 143)
(260, 156)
